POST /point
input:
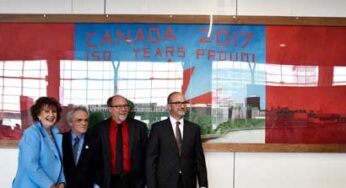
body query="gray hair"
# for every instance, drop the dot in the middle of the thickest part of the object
(74, 110)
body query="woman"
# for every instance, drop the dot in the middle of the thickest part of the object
(40, 149)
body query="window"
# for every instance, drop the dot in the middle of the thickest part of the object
(20, 78)
(149, 82)
(339, 76)
(86, 82)
(230, 80)
(291, 75)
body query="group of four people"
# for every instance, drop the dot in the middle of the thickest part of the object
(117, 153)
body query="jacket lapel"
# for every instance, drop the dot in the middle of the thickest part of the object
(51, 145)
(132, 135)
(68, 148)
(58, 143)
(85, 148)
(185, 135)
(105, 134)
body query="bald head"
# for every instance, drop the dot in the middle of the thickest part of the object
(118, 108)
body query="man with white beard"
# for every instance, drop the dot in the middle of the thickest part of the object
(123, 141)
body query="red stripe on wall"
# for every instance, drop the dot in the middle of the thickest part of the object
(186, 79)
(36, 41)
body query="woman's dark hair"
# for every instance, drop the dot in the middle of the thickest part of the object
(45, 101)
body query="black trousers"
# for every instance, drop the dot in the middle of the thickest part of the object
(180, 181)
(121, 181)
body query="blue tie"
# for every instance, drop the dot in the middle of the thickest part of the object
(75, 148)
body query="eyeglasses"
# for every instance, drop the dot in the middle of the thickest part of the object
(124, 106)
(179, 102)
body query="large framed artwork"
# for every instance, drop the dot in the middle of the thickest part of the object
(245, 84)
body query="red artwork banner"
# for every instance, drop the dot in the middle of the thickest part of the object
(307, 114)
(290, 80)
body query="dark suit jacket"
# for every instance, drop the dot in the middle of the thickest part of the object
(164, 163)
(88, 170)
(138, 141)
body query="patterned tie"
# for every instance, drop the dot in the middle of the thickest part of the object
(75, 148)
(178, 136)
(119, 150)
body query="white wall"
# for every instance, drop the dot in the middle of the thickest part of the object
(317, 8)
(226, 170)
(246, 170)
(276, 170)
(289, 170)
(8, 166)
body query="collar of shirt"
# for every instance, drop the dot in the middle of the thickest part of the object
(181, 126)
(114, 123)
(73, 136)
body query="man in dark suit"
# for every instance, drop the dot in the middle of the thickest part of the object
(123, 141)
(175, 155)
(81, 152)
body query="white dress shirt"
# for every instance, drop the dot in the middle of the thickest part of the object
(181, 126)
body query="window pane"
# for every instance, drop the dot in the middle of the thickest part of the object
(79, 84)
(160, 83)
(95, 65)
(339, 77)
(95, 74)
(79, 65)
(35, 69)
(94, 85)
(65, 84)
(12, 90)
(14, 65)
(79, 74)
(11, 107)
(90, 80)
(143, 84)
